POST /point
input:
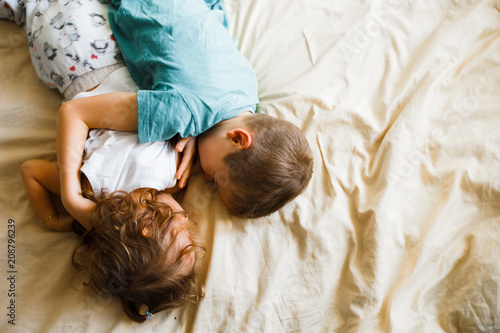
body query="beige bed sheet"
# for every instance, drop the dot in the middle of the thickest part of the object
(399, 229)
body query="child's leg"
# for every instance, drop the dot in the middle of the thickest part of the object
(41, 178)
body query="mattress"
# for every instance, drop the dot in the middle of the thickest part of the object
(399, 228)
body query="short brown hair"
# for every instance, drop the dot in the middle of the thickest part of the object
(272, 171)
(119, 261)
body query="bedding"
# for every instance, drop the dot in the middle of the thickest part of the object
(399, 229)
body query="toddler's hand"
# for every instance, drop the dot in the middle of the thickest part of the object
(188, 148)
(80, 209)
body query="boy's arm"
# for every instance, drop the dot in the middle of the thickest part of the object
(116, 111)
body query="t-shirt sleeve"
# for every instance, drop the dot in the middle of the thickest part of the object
(163, 114)
(217, 7)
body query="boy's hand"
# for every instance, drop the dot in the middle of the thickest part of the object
(187, 147)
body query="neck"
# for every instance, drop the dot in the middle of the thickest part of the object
(236, 121)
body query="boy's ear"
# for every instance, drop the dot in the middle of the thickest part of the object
(240, 137)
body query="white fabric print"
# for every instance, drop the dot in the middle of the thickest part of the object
(67, 38)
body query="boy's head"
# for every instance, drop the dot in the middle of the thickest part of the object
(142, 249)
(257, 162)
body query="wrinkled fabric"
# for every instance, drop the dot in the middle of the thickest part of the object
(398, 230)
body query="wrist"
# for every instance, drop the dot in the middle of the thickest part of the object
(51, 217)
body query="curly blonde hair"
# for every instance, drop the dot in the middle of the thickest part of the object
(120, 261)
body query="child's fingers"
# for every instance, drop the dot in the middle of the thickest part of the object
(184, 178)
(185, 170)
(183, 166)
(188, 148)
(181, 144)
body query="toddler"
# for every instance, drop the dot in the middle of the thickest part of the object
(140, 246)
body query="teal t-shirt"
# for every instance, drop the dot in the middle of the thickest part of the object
(190, 71)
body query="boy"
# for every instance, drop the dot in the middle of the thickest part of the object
(191, 77)
(248, 150)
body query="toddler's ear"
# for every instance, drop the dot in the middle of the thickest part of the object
(146, 231)
(240, 137)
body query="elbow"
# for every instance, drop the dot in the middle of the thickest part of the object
(27, 169)
(29, 174)
(64, 111)
(70, 111)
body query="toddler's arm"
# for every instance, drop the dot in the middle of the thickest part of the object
(41, 178)
(116, 111)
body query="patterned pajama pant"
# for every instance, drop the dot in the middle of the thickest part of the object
(67, 38)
